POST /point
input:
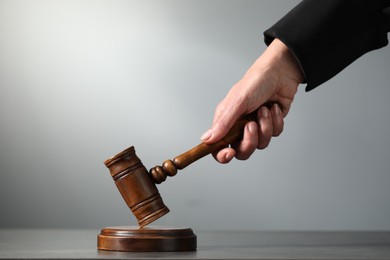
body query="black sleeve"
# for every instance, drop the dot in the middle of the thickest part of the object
(327, 35)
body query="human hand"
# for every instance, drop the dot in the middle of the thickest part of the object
(268, 87)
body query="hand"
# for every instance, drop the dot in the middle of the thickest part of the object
(268, 87)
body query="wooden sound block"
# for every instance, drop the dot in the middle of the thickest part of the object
(147, 239)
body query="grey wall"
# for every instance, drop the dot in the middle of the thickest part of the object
(82, 80)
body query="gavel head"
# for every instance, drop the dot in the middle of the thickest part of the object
(136, 186)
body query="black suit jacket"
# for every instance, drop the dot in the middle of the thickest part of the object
(327, 35)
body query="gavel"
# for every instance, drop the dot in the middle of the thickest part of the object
(138, 186)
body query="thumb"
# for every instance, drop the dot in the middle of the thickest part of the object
(222, 123)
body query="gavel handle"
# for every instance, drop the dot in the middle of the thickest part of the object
(203, 149)
(170, 167)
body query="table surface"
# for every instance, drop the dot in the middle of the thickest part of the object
(81, 244)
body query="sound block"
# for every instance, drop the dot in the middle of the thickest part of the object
(147, 239)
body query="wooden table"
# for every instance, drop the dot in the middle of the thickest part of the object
(81, 244)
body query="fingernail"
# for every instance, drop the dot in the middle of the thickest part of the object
(252, 128)
(206, 136)
(277, 109)
(264, 112)
(228, 156)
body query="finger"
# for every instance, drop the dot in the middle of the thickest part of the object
(277, 120)
(225, 155)
(248, 144)
(265, 127)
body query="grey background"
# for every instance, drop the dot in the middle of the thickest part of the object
(82, 80)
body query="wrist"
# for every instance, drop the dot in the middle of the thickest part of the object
(278, 56)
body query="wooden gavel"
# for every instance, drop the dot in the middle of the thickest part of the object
(137, 186)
